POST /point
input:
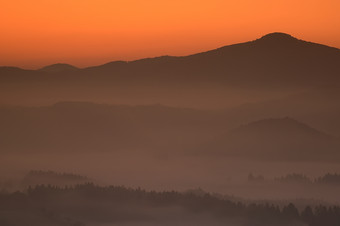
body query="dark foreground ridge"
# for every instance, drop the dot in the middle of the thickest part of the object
(49, 205)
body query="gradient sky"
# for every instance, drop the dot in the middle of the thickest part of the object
(36, 33)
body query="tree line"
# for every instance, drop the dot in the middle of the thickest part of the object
(117, 202)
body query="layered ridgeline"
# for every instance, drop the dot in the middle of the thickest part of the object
(274, 65)
(79, 127)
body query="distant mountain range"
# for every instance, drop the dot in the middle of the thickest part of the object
(274, 58)
(273, 66)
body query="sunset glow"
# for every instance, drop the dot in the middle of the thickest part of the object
(89, 32)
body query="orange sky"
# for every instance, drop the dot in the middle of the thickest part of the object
(35, 33)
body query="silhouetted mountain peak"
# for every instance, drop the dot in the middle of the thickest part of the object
(59, 67)
(278, 39)
(277, 36)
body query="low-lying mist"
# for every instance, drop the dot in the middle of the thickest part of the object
(227, 176)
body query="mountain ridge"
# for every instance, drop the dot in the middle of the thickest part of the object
(274, 37)
(250, 71)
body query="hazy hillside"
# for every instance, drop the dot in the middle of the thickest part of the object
(78, 127)
(277, 139)
(317, 108)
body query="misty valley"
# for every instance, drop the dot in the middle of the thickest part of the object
(243, 135)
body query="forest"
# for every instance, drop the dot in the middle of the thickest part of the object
(85, 203)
